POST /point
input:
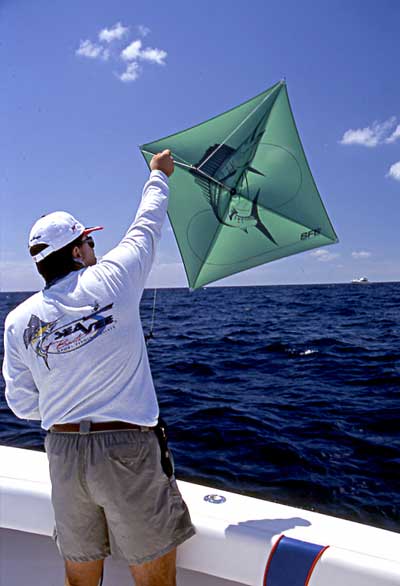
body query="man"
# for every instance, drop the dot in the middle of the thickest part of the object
(75, 358)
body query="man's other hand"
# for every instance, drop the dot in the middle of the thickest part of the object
(163, 162)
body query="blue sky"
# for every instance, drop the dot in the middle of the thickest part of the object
(84, 83)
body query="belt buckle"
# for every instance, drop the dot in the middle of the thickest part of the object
(84, 427)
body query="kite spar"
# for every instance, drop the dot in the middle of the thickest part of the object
(242, 193)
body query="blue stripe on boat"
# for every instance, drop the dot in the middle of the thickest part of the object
(291, 561)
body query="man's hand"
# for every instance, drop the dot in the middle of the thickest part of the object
(163, 162)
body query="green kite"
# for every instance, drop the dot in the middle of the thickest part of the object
(242, 193)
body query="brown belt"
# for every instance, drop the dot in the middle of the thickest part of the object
(88, 426)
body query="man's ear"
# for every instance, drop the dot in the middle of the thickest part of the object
(76, 253)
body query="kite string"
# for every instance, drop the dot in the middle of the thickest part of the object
(235, 130)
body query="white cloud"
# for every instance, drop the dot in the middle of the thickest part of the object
(89, 49)
(153, 55)
(361, 254)
(323, 255)
(394, 136)
(135, 55)
(114, 33)
(143, 30)
(394, 171)
(131, 72)
(132, 51)
(372, 136)
(364, 136)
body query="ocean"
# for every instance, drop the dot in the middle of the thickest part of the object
(286, 393)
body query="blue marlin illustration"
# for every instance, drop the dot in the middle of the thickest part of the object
(35, 332)
(222, 176)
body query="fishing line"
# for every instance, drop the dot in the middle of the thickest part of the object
(154, 311)
(150, 335)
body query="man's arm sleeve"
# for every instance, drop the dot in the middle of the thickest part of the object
(134, 256)
(21, 393)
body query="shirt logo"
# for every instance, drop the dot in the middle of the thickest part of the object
(55, 338)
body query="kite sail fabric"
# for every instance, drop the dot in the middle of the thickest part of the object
(242, 193)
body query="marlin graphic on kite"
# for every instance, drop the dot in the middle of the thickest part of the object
(229, 196)
(242, 193)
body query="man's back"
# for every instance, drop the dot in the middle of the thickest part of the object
(80, 340)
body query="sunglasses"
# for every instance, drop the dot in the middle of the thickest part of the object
(88, 240)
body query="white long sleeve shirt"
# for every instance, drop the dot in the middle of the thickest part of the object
(76, 350)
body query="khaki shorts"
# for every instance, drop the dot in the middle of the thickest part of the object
(111, 496)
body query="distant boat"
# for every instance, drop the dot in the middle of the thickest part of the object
(360, 281)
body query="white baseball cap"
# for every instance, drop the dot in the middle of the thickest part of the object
(56, 230)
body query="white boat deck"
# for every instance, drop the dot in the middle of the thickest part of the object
(232, 545)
